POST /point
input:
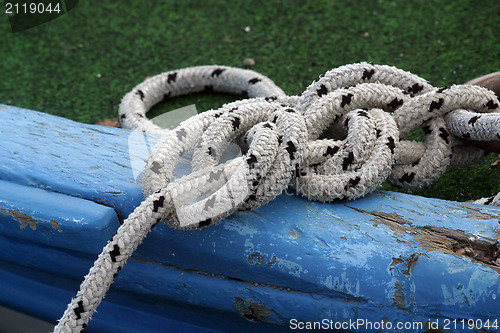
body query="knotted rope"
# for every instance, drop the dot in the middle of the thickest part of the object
(338, 141)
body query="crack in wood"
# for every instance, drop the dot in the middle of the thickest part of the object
(444, 240)
(467, 245)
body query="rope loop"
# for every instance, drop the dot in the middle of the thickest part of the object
(339, 140)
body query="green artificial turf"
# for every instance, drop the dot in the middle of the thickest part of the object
(80, 65)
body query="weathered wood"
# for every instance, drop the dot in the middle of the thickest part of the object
(63, 156)
(41, 216)
(388, 256)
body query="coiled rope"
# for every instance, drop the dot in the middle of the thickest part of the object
(338, 141)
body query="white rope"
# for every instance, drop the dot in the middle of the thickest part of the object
(338, 141)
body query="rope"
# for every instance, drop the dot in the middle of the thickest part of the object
(338, 141)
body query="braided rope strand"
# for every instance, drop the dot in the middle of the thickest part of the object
(339, 140)
(112, 258)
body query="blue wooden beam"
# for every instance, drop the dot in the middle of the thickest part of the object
(41, 216)
(75, 159)
(388, 256)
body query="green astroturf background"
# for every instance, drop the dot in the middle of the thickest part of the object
(80, 65)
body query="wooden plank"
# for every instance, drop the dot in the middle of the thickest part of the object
(44, 294)
(371, 264)
(388, 255)
(57, 154)
(54, 219)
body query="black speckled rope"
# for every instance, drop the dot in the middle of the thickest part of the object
(338, 141)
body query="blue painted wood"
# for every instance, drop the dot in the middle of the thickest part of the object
(63, 156)
(388, 255)
(55, 219)
(18, 285)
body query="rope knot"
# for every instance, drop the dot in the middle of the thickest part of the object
(341, 139)
(273, 135)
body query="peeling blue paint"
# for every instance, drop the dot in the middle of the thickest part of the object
(478, 288)
(372, 258)
(289, 267)
(342, 284)
(241, 229)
